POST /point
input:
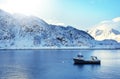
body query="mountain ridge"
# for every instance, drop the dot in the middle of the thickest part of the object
(30, 31)
(23, 32)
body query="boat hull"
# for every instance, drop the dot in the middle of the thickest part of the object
(78, 61)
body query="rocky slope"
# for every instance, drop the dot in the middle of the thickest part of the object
(23, 32)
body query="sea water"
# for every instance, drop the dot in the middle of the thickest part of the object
(58, 64)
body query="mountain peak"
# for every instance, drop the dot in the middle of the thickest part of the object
(30, 31)
(1, 10)
(102, 33)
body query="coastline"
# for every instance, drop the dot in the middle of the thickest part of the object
(59, 48)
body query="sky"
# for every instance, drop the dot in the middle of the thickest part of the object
(81, 14)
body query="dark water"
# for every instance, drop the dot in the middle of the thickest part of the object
(57, 64)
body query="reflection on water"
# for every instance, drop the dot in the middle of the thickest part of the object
(13, 73)
(57, 64)
(91, 66)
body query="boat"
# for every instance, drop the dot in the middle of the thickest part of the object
(79, 60)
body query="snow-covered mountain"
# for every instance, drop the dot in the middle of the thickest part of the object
(104, 32)
(29, 31)
(22, 32)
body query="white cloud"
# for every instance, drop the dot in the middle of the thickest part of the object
(105, 21)
(114, 23)
(116, 19)
(54, 22)
(60, 24)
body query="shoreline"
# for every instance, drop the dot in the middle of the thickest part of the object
(61, 48)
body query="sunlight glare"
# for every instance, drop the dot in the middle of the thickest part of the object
(27, 7)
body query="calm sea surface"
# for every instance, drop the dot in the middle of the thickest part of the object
(57, 64)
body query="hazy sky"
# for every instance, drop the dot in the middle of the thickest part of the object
(78, 13)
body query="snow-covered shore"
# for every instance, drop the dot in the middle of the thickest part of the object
(60, 48)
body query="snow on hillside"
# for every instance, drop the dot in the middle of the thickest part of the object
(104, 32)
(29, 31)
(23, 32)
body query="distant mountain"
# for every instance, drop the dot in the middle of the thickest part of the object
(103, 33)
